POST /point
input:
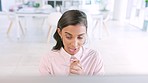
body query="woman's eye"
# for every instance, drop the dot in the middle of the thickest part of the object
(68, 37)
(80, 37)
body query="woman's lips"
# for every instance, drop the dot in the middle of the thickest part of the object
(72, 50)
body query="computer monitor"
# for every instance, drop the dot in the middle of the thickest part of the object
(59, 3)
(51, 3)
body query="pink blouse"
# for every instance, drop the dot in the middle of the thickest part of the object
(57, 62)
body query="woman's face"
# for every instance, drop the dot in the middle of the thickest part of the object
(73, 37)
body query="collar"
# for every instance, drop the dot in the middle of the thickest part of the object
(68, 56)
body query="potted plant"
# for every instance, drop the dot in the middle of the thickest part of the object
(36, 5)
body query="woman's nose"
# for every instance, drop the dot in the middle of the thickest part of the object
(74, 42)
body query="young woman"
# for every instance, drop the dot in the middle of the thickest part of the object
(68, 56)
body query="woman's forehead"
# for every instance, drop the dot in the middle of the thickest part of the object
(74, 29)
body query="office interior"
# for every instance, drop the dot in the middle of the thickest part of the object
(121, 35)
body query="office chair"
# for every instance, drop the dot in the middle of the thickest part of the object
(52, 21)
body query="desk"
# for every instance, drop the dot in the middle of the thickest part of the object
(28, 14)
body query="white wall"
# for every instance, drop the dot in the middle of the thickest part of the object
(120, 8)
(129, 8)
(7, 3)
(137, 13)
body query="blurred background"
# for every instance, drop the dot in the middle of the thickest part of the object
(117, 28)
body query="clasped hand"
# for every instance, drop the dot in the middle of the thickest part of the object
(76, 67)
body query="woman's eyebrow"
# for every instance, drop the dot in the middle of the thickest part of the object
(68, 33)
(81, 34)
(78, 35)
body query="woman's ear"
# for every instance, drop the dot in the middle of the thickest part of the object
(59, 32)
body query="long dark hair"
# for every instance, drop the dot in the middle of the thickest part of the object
(70, 17)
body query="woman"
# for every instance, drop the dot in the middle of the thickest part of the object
(68, 56)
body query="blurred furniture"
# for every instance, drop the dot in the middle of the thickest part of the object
(42, 13)
(12, 18)
(48, 8)
(106, 17)
(100, 20)
(55, 3)
(52, 20)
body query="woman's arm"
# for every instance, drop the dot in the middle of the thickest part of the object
(99, 69)
(44, 66)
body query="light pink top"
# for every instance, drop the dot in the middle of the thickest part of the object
(58, 62)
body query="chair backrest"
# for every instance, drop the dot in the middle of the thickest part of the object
(10, 15)
(47, 7)
(53, 18)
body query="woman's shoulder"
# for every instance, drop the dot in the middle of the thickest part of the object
(90, 50)
(51, 54)
(92, 53)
